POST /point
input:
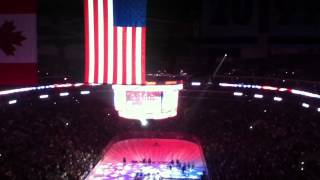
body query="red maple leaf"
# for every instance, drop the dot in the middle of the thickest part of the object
(10, 38)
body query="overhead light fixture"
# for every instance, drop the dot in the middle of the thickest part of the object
(269, 88)
(144, 122)
(85, 92)
(238, 94)
(44, 96)
(277, 99)
(305, 105)
(283, 89)
(64, 94)
(151, 83)
(258, 96)
(170, 82)
(195, 83)
(14, 101)
(78, 84)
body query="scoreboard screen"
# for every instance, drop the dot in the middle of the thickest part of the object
(146, 102)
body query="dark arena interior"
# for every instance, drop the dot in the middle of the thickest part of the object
(249, 108)
(242, 137)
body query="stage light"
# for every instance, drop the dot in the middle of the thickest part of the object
(251, 127)
(228, 85)
(95, 84)
(151, 83)
(78, 84)
(283, 89)
(258, 96)
(302, 163)
(14, 101)
(85, 92)
(64, 94)
(305, 93)
(305, 105)
(127, 168)
(256, 87)
(133, 175)
(44, 96)
(12, 91)
(144, 122)
(170, 82)
(49, 86)
(238, 94)
(41, 87)
(199, 173)
(277, 99)
(195, 83)
(318, 109)
(269, 88)
(63, 85)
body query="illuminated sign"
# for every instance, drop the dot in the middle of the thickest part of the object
(146, 102)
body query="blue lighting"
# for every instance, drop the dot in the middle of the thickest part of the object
(154, 170)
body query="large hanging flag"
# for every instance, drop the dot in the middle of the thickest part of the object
(18, 42)
(115, 32)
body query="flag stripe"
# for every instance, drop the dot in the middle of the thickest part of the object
(143, 54)
(96, 41)
(124, 55)
(101, 41)
(86, 22)
(91, 41)
(106, 42)
(18, 73)
(119, 50)
(111, 57)
(133, 55)
(115, 54)
(138, 55)
(129, 56)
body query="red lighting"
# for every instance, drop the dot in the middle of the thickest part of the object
(156, 149)
(151, 83)
(170, 82)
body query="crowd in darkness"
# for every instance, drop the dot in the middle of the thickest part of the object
(255, 140)
(52, 138)
(64, 137)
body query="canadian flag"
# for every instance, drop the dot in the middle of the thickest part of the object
(18, 42)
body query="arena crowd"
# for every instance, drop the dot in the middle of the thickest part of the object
(242, 138)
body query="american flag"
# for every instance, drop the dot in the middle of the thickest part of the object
(115, 36)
